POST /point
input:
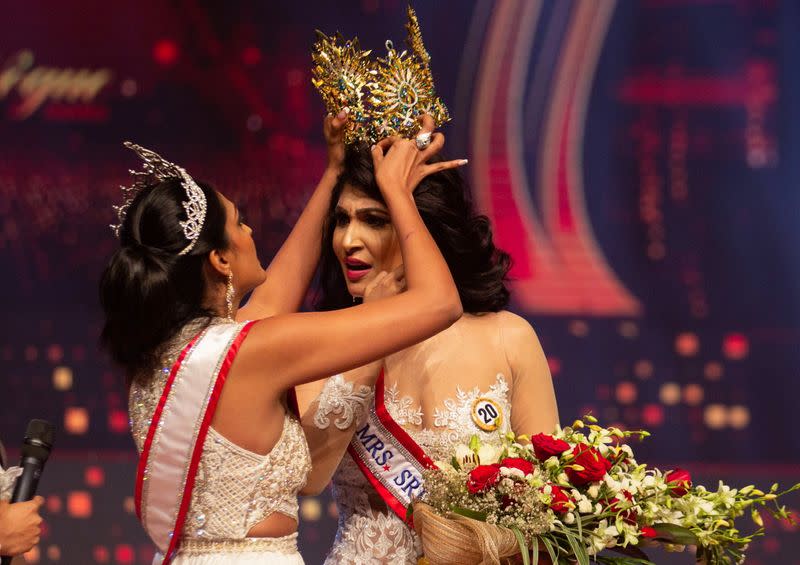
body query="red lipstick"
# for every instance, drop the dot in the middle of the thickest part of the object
(355, 269)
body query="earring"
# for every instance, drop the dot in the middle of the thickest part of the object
(229, 292)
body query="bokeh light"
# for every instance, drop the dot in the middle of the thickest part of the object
(687, 344)
(735, 346)
(79, 504)
(76, 420)
(165, 52)
(670, 394)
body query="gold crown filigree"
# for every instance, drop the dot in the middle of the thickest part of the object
(384, 96)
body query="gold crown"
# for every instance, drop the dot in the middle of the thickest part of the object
(384, 96)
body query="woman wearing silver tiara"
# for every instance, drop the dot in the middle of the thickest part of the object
(484, 375)
(222, 457)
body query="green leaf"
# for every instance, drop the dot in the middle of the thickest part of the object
(577, 548)
(671, 533)
(535, 550)
(523, 546)
(409, 513)
(474, 514)
(548, 545)
(454, 462)
(474, 443)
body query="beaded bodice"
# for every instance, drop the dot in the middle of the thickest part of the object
(234, 488)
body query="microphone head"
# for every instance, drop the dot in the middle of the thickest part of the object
(38, 440)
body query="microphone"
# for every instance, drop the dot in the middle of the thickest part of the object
(35, 450)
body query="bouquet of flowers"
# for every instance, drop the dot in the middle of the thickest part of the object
(572, 494)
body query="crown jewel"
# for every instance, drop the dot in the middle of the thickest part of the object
(154, 170)
(384, 96)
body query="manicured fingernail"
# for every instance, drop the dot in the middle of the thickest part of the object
(341, 115)
(373, 148)
(463, 162)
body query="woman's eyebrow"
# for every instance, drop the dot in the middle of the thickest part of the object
(368, 210)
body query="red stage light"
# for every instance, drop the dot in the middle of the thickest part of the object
(124, 554)
(735, 346)
(118, 421)
(251, 56)
(652, 415)
(165, 52)
(94, 476)
(101, 554)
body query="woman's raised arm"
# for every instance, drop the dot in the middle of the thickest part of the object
(299, 348)
(291, 270)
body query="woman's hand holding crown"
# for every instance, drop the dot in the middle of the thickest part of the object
(400, 165)
(333, 128)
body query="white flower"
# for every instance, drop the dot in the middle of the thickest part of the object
(551, 463)
(593, 491)
(488, 454)
(512, 472)
(585, 506)
(464, 454)
(613, 485)
(569, 518)
(444, 466)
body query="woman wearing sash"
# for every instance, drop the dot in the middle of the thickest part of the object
(222, 457)
(484, 375)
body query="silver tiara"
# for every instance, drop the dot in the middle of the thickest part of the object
(155, 170)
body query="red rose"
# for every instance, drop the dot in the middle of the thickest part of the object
(680, 481)
(518, 463)
(482, 478)
(559, 500)
(594, 466)
(649, 532)
(546, 446)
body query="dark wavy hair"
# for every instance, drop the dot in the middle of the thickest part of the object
(465, 238)
(148, 292)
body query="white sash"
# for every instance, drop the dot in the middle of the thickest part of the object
(171, 453)
(390, 460)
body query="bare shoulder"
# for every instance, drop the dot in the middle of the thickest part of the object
(515, 329)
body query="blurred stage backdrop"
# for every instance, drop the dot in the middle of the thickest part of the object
(639, 159)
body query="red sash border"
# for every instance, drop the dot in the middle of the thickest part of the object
(405, 444)
(396, 429)
(151, 432)
(216, 391)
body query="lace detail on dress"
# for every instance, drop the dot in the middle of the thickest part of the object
(8, 480)
(236, 488)
(400, 408)
(339, 398)
(453, 423)
(369, 532)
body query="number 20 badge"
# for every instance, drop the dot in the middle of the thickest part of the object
(487, 414)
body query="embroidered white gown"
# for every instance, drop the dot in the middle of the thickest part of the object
(431, 390)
